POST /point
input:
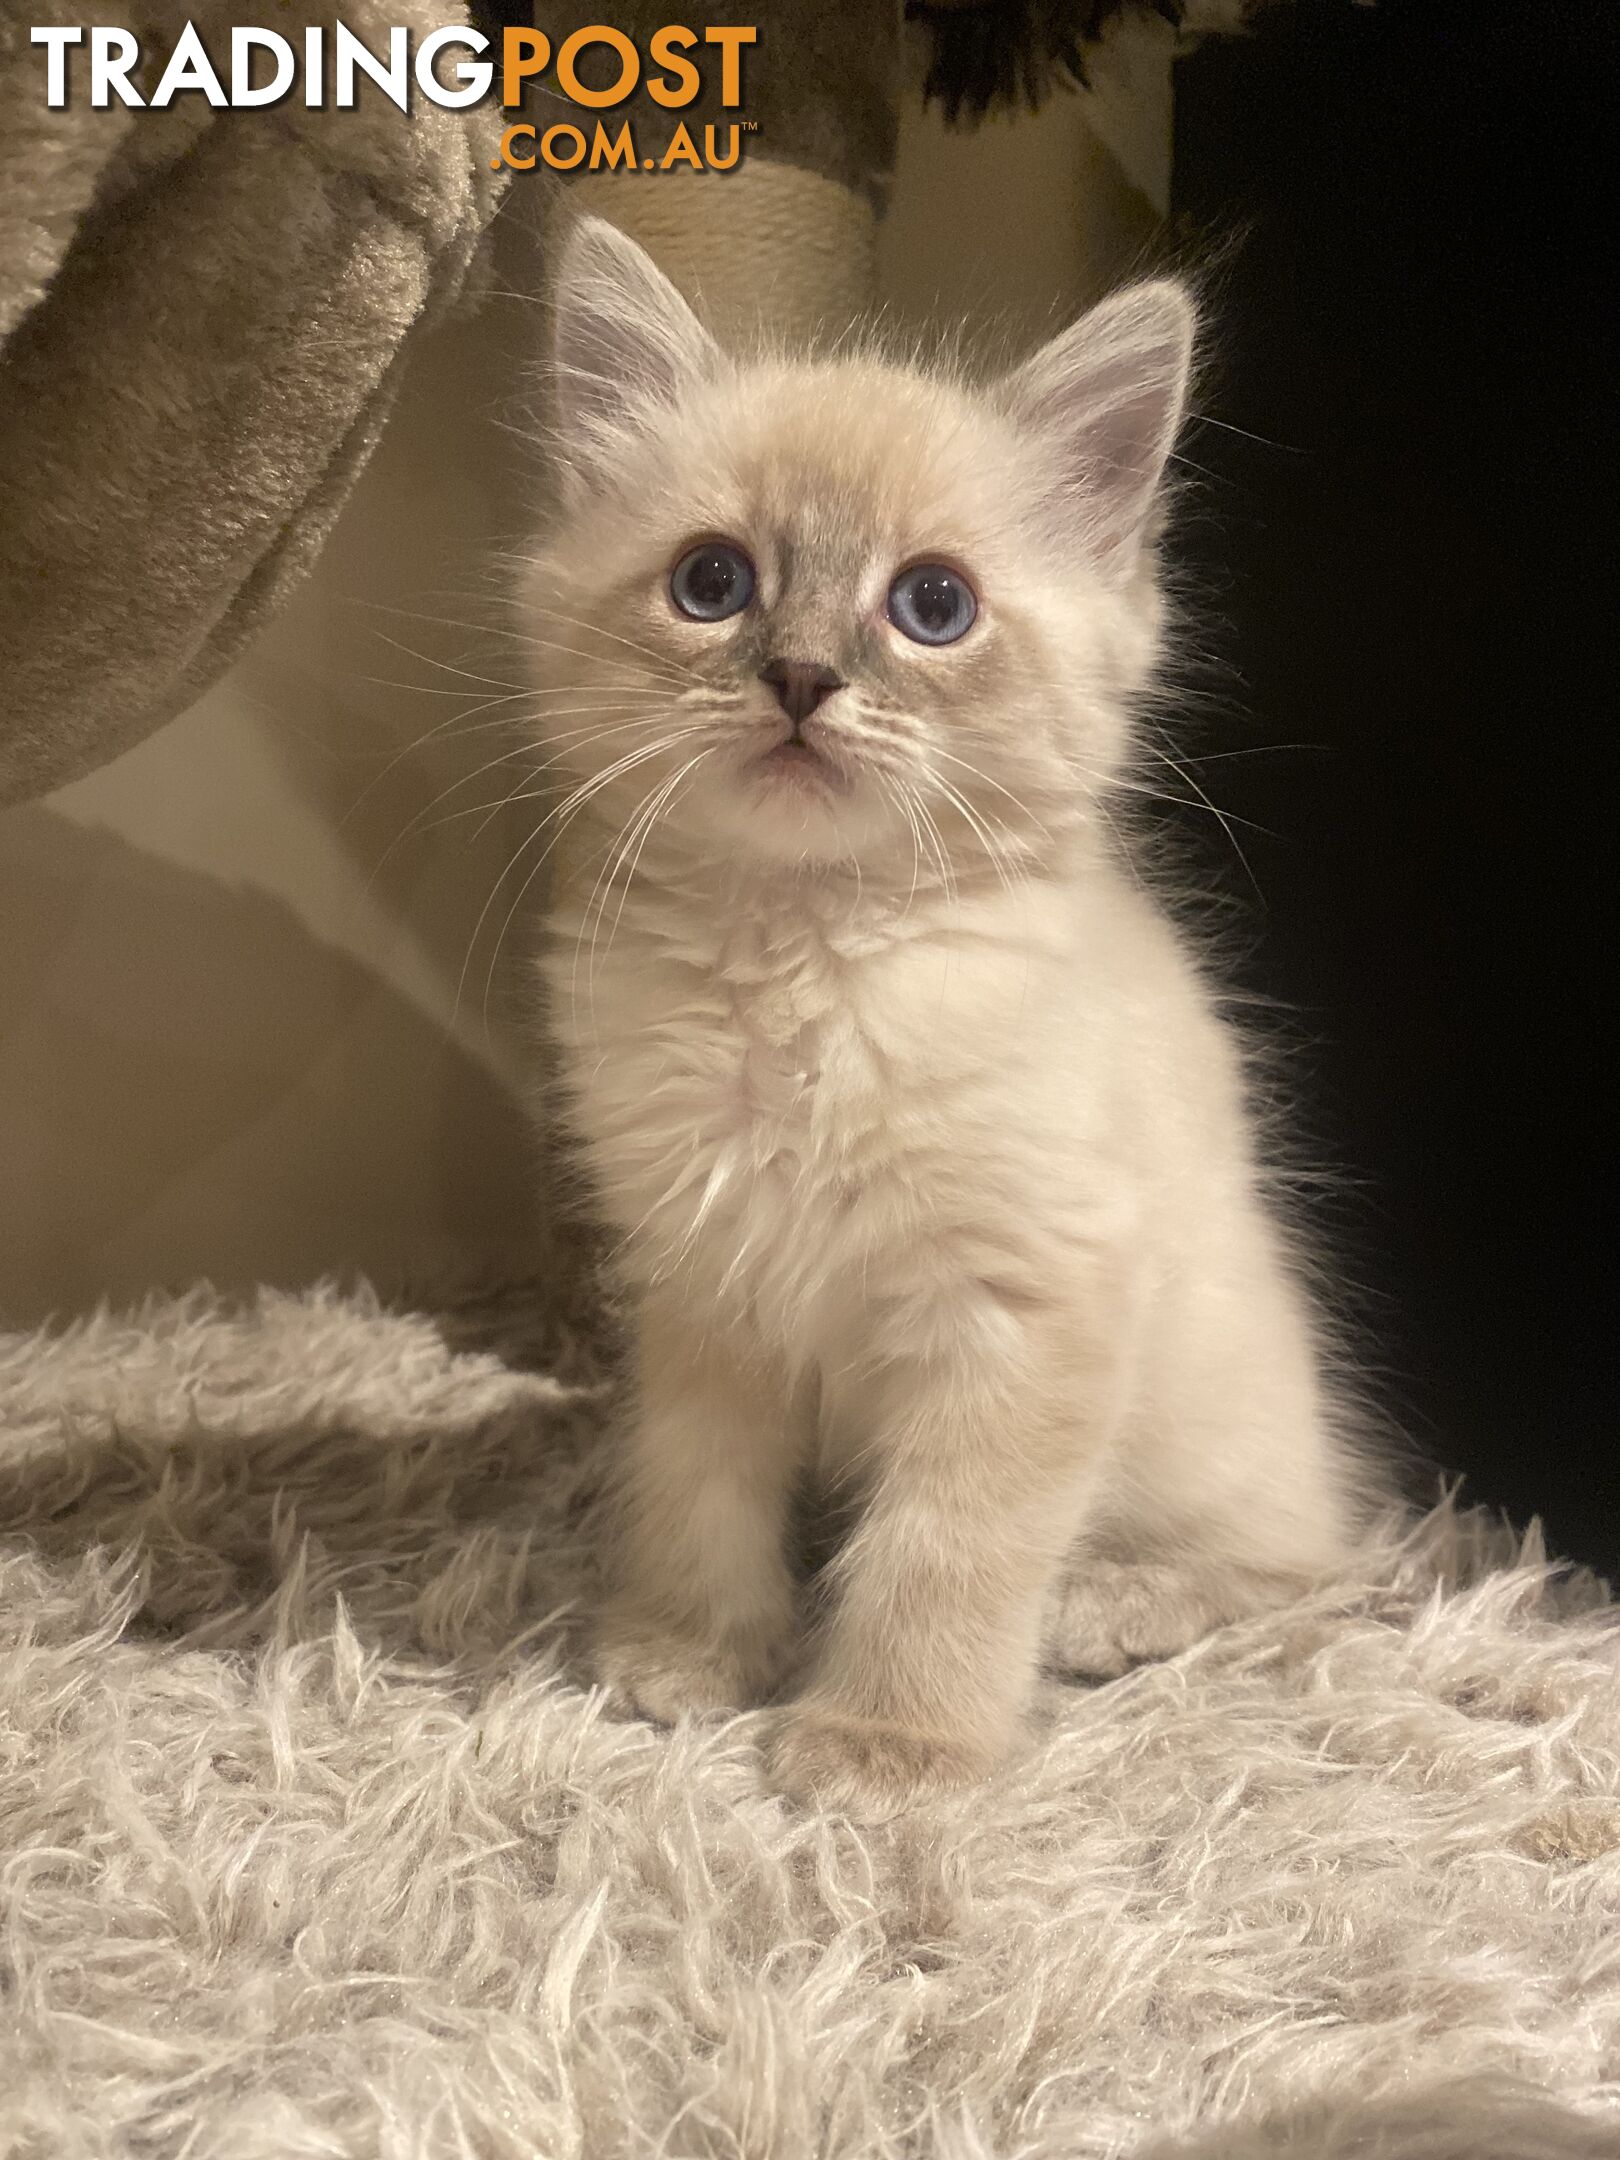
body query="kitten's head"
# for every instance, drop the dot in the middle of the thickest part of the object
(842, 609)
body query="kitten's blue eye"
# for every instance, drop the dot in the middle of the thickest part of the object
(932, 605)
(711, 581)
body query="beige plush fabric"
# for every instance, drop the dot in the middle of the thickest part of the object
(202, 316)
(315, 1846)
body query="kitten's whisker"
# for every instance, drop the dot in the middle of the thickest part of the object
(936, 844)
(1017, 802)
(571, 803)
(566, 812)
(674, 673)
(1129, 786)
(673, 681)
(611, 857)
(590, 911)
(998, 856)
(509, 631)
(662, 799)
(1270, 442)
(507, 697)
(898, 802)
(573, 738)
(419, 689)
(522, 793)
(1224, 818)
(1121, 845)
(908, 804)
(453, 721)
(1214, 757)
(657, 811)
(447, 667)
(421, 822)
(1180, 457)
(663, 679)
(647, 652)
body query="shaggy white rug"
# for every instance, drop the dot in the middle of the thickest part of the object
(311, 1844)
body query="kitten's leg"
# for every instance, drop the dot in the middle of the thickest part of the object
(1108, 1614)
(1232, 1499)
(983, 1435)
(702, 1615)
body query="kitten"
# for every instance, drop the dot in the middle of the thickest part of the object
(923, 1147)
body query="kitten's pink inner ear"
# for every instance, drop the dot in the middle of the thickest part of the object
(1107, 398)
(625, 342)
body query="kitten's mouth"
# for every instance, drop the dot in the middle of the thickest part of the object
(799, 763)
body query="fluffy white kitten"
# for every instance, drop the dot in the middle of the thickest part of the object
(924, 1149)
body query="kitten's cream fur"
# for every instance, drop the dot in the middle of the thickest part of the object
(925, 1149)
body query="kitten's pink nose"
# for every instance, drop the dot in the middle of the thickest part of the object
(800, 685)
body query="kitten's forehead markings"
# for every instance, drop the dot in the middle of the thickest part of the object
(825, 559)
(785, 552)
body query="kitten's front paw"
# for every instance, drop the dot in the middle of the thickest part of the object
(1112, 1614)
(866, 1768)
(667, 1676)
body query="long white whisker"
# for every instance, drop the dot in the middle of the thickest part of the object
(675, 669)
(1184, 802)
(658, 809)
(1222, 819)
(1277, 749)
(1018, 804)
(580, 622)
(590, 914)
(677, 679)
(936, 844)
(421, 822)
(448, 667)
(904, 807)
(571, 803)
(642, 823)
(616, 702)
(997, 855)
(566, 811)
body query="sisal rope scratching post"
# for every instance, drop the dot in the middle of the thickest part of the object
(772, 244)
(788, 237)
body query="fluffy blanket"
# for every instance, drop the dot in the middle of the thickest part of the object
(312, 1843)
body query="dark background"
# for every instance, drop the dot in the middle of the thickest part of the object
(1411, 219)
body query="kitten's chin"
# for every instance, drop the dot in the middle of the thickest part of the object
(792, 806)
(798, 767)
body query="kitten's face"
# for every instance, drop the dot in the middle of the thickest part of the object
(825, 611)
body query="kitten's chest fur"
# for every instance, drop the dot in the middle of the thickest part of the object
(761, 1097)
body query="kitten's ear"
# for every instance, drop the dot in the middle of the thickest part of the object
(1107, 397)
(625, 343)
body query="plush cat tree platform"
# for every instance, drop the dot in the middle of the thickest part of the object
(312, 1843)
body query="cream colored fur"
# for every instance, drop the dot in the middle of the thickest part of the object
(924, 1146)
